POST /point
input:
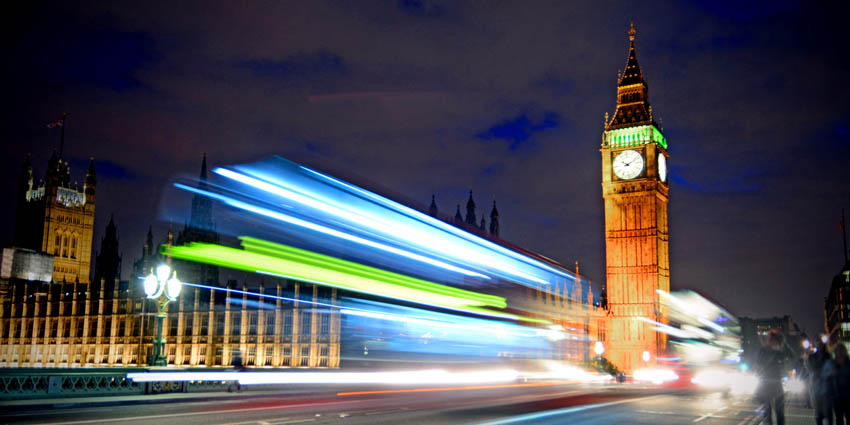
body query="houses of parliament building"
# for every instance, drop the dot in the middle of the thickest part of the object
(66, 319)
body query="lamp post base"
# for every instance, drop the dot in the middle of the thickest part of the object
(157, 357)
(157, 361)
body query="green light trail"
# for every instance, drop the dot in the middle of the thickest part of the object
(271, 258)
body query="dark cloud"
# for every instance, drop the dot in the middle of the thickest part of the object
(59, 53)
(423, 8)
(519, 130)
(111, 171)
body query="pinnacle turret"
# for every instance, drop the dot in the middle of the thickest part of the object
(432, 210)
(632, 93)
(633, 74)
(108, 261)
(200, 218)
(494, 220)
(89, 188)
(470, 211)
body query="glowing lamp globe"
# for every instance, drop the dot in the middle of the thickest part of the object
(646, 356)
(172, 287)
(151, 286)
(598, 348)
(162, 272)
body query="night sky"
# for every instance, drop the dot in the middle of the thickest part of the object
(502, 98)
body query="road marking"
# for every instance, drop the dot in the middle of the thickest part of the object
(275, 421)
(217, 412)
(545, 414)
(710, 414)
(652, 412)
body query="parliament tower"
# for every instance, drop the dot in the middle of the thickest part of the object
(635, 193)
(56, 217)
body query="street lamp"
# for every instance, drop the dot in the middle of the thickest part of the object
(162, 286)
(646, 356)
(598, 348)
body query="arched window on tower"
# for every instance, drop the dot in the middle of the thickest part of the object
(58, 244)
(65, 245)
(74, 246)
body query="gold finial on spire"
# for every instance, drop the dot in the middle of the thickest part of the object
(632, 32)
(606, 123)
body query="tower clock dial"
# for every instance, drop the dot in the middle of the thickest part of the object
(662, 167)
(628, 164)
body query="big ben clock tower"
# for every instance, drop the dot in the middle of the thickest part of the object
(635, 192)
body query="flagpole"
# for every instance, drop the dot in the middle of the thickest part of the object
(62, 134)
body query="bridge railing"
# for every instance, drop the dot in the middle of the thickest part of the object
(23, 383)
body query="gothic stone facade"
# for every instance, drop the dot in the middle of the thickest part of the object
(635, 194)
(75, 325)
(57, 218)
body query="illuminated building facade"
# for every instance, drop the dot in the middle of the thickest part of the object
(635, 194)
(78, 325)
(56, 217)
(572, 306)
(837, 308)
(109, 322)
(568, 303)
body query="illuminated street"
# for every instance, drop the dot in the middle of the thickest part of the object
(539, 405)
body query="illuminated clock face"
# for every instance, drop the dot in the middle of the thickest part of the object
(628, 164)
(662, 167)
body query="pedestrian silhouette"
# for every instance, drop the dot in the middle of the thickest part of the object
(771, 367)
(839, 383)
(819, 365)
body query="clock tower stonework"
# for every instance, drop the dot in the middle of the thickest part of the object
(635, 193)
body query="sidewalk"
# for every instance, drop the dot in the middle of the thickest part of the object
(796, 415)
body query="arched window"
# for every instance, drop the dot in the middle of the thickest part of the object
(65, 245)
(58, 244)
(74, 246)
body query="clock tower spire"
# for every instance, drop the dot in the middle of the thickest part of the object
(635, 194)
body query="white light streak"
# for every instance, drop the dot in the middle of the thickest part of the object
(440, 224)
(392, 228)
(416, 377)
(330, 232)
(655, 376)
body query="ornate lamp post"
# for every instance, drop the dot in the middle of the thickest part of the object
(162, 286)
